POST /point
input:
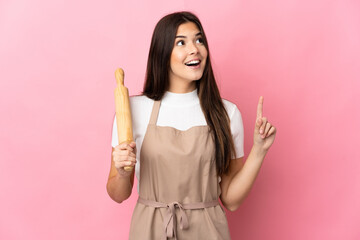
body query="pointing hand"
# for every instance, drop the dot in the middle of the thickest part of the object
(264, 134)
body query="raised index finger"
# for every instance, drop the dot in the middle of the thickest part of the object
(260, 107)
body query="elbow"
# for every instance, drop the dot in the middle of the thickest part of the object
(231, 204)
(231, 208)
(115, 198)
(118, 201)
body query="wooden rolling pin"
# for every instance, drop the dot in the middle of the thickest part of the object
(123, 112)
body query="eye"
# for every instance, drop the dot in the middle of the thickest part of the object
(180, 43)
(199, 40)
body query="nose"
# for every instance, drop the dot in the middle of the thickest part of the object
(193, 49)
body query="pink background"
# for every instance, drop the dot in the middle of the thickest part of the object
(57, 63)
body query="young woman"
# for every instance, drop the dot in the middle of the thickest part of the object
(189, 142)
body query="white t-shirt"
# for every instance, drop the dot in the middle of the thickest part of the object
(181, 111)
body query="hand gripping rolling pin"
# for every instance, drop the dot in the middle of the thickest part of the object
(123, 112)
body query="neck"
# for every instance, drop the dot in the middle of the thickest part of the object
(182, 88)
(180, 99)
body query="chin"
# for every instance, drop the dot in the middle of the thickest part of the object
(197, 76)
(193, 79)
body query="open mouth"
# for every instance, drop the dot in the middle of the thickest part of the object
(193, 63)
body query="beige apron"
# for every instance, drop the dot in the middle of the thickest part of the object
(179, 188)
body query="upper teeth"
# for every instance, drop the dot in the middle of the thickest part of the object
(193, 62)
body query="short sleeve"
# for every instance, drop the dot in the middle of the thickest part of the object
(237, 131)
(114, 136)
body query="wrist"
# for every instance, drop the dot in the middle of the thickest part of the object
(123, 174)
(259, 150)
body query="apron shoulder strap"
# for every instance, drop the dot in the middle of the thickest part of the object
(154, 113)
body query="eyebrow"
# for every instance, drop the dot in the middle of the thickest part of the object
(181, 36)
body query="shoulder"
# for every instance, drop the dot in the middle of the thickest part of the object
(140, 106)
(230, 107)
(140, 102)
(138, 99)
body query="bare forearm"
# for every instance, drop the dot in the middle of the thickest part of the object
(242, 182)
(238, 182)
(119, 188)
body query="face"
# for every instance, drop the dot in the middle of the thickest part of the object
(188, 57)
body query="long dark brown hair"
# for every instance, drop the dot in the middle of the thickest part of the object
(157, 83)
